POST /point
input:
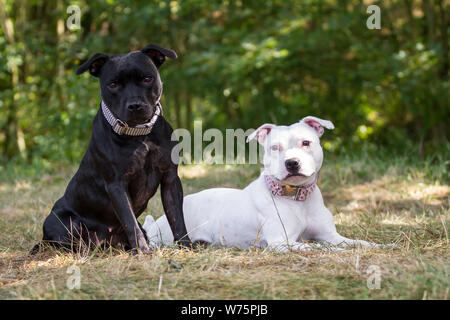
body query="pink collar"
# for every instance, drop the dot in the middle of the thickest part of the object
(297, 193)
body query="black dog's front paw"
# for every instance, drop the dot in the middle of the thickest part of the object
(184, 243)
(144, 250)
(142, 247)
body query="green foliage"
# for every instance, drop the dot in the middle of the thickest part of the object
(241, 63)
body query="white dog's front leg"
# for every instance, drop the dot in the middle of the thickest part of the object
(340, 241)
(323, 229)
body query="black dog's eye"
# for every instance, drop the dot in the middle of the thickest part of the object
(113, 85)
(147, 79)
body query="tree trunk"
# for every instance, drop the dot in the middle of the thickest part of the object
(177, 107)
(59, 64)
(444, 41)
(409, 13)
(14, 143)
(429, 26)
(188, 112)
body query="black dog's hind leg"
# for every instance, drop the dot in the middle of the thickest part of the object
(41, 245)
(38, 247)
(61, 229)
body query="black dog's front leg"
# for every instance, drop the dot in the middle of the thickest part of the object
(172, 199)
(124, 212)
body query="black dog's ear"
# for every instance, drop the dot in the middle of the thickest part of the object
(94, 64)
(158, 54)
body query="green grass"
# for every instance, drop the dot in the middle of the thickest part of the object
(396, 200)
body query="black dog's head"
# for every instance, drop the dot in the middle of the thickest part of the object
(130, 83)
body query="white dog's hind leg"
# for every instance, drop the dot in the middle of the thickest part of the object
(158, 232)
(149, 220)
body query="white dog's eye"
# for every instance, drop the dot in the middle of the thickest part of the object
(275, 147)
(306, 143)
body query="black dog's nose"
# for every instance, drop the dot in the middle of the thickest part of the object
(292, 165)
(135, 107)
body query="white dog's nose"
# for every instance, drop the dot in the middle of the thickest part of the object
(292, 165)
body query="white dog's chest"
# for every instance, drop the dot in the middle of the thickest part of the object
(291, 215)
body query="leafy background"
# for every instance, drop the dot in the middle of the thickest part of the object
(241, 64)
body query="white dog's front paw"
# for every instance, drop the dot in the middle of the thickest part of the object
(290, 247)
(387, 245)
(301, 246)
(327, 246)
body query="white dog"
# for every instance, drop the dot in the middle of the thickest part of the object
(279, 210)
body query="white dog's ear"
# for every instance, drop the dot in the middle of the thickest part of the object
(317, 124)
(261, 133)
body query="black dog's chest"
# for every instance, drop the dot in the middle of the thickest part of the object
(143, 175)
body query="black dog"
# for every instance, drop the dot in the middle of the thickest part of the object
(128, 157)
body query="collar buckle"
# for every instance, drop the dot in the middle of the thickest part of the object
(120, 126)
(295, 197)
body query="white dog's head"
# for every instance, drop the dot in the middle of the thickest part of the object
(293, 154)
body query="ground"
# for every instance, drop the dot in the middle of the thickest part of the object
(395, 201)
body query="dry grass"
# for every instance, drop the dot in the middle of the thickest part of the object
(382, 203)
